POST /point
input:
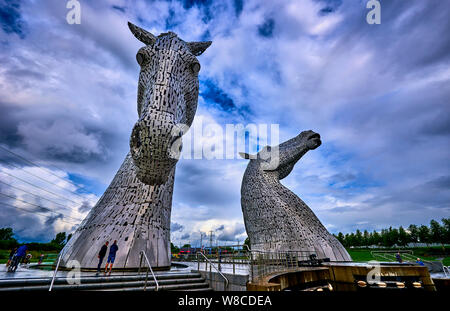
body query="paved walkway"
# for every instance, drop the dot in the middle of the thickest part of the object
(25, 272)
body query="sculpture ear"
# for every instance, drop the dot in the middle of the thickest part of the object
(197, 48)
(142, 34)
(247, 156)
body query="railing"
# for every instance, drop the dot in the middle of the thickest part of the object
(149, 267)
(56, 270)
(390, 255)
(446, 270)
(264, 263)
(211, 265)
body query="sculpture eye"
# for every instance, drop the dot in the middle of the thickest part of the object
(195, 68)
(140, 58)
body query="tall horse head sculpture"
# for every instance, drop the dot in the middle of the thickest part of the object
(135, 209)
(166, 101)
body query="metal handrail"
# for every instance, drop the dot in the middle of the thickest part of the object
(56, 270)
(151, 270)
(211, 265)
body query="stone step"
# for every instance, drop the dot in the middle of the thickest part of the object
(19, 282)
(105, 285)
(181, 287)
(206, 289)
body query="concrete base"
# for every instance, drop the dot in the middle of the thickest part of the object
(236, 282)
(344, 277)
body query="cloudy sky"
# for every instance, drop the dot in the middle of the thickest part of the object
(378, 95)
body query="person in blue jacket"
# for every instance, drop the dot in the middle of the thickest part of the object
(19, 256)
(111, 257)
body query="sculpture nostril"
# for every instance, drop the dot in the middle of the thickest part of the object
(136, 137)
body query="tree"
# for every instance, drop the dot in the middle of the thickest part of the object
(174, 249)
(437, 232)
(385, 237)
(350, 238)
(341, 238)
(6, 234)
(247, 242)
(68, 237)
(393, 236)
(186, 246)
(366, 238)
(446, 222)
(375, 238)
(424, 234)
(413, 233)
(403, 237)
(60, 239)
(358, 238)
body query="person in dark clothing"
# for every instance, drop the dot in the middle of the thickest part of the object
(19, 256)
(111, 257)
(399, 257)
(101, 255)
(11, 256)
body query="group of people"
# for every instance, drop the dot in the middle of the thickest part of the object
(399, 258)
(111, 256)
(17, 256)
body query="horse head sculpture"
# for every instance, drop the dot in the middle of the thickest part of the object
(280, 160)
(275, 218)
(166, 101)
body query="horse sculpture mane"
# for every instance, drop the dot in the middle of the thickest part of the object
(135, 209)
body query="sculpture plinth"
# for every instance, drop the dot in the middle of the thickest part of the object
(275, 218)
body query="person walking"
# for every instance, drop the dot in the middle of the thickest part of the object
(11, 256)
(101, 255)
(420, 262)
(18, 258)
(399, 257)
(111, 257)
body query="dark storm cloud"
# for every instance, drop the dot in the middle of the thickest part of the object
(174, 227)
(231, 236)
(238, 6)
(51, 219)
(119, 8)
(10, 17)
(85, 207)
(214, 95)
(266, 29)
(8, 124)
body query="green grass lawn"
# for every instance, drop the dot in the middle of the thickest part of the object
(363, 255)
(4, 254)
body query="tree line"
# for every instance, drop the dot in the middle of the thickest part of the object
(434, 233)
(7, 241)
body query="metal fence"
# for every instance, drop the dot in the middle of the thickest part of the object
(256, 264)
(264, 263)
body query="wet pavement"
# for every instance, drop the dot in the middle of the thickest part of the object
(24, 271)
